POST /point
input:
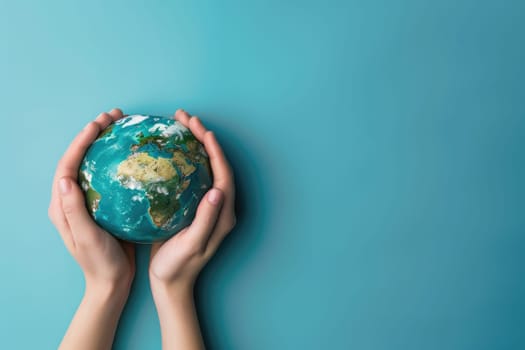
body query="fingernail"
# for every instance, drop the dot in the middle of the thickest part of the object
(214, 196)
(64, 185)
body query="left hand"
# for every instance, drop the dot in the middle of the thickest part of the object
(108, 264)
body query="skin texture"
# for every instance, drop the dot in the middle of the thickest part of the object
(108, 264)
(176, 263)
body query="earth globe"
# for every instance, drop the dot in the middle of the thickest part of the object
(143, 178)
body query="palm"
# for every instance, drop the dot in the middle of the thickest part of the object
(118, 256)
(169, 258)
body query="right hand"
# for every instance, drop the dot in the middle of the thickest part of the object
(178, 261)
(108, 264)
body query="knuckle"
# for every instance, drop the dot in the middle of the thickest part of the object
(102, 115)
(93, 126)
(62, 163)
(194, 120)
(102, 122)
(107, 117)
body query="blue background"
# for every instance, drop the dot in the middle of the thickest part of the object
(378, 149)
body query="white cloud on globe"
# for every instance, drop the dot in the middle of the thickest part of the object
(131, 120)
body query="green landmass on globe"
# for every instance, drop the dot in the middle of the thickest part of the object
(143, 178)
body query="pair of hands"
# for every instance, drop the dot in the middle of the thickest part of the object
(108, 263)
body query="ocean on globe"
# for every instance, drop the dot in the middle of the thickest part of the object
(143, 178)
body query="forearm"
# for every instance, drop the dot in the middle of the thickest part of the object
(96, 319)
(178, 318)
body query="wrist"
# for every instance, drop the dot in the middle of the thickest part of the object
(171, 291)
(107, 292)
(175, 306)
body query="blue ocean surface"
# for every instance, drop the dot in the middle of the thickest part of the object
(125, 211)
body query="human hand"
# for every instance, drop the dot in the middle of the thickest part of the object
(178, 261)
(108, 264)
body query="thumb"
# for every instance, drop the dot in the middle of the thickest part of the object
(73, 205)
(206, 216)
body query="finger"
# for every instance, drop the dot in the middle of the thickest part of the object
(225, 223)
(197, 128)
(222, 173)
(74, 208)
(116, 114)
(59, 220)
(70, 162)
(206, 218)
(183, 117)
(222, 229)
(68, 166)
(222, 179)
(103, 120)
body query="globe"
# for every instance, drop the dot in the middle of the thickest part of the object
(143, 178)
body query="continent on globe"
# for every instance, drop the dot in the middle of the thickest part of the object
(143, 178)
(145, 168)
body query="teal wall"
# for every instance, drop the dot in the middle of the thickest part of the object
(379, 151)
